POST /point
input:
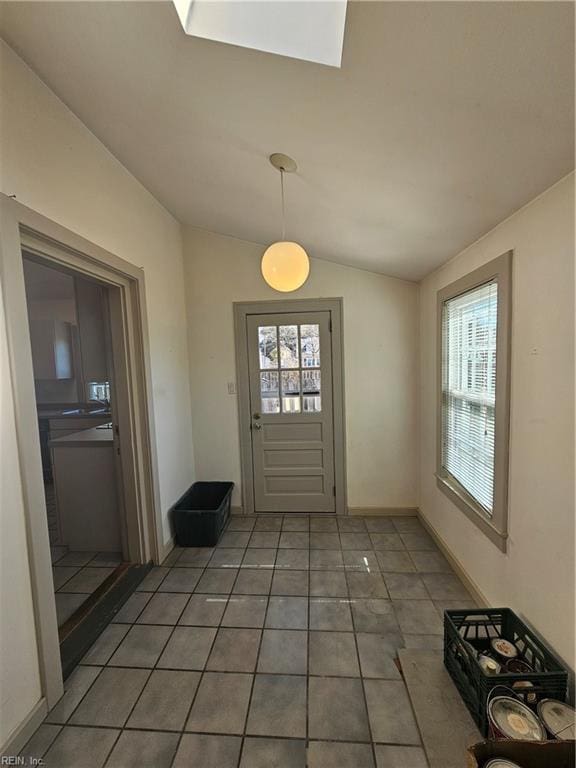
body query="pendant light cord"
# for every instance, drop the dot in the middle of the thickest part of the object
(283, 211)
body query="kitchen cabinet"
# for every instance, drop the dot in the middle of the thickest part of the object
(52, 342)
(54, 424)
(68, 426)
(91, 327)
(84, 467)
(52, 322)
(67, 324)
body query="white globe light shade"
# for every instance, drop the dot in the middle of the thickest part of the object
(285, 266)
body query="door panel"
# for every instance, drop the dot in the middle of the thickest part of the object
(290, 379)
(294, 485)
(288, 459)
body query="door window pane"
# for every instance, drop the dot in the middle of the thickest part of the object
(289, 346)
(268, 347)
(310, 345)
(311, 391)
(291, 391)
(269, 395)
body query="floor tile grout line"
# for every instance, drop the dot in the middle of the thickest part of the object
(307, 710)
(314, 597)
(133, 729)
(237, 672)
(372, 745)
(22, 752)
(201, 674)
(159, 656)
(65, 723)
(68, 579)
(194, 697)
(113, 746)
(219, 733)
(62, 591)
(253, 681)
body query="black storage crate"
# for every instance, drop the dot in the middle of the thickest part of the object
(201, 514)
(477, 627)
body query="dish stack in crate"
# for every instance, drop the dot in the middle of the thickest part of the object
(513, 685)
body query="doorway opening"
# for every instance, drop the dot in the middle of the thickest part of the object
(81, 376)
(78, 346)
(70, 337)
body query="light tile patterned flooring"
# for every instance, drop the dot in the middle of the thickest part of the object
(77, 575)
(275, 648)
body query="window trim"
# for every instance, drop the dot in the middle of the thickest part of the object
(496, 526)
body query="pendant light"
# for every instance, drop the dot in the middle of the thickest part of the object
(285, 265)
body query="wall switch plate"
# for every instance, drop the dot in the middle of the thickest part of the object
(231, 387)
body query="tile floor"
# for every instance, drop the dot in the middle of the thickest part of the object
(276, 648)
(77, 575)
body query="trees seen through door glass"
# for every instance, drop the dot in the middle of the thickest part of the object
(288, 335)
(291, 391)
(268, 346)
(269, 392)
(295, 350)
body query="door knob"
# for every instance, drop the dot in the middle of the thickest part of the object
(256, 426)
(256, 415)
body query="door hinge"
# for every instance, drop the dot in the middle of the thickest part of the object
(333, 490)
(330, 326)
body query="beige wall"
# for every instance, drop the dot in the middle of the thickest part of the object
(380, 355)
(536, 576)
(54, 165)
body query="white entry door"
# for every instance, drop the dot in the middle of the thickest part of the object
(291, 401)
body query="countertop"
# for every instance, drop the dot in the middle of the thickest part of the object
(96, 437)
(72, 412)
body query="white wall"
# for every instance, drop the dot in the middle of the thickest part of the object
(380, 338)
(536, 576)
(53, 164)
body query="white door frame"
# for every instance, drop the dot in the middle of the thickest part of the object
(21, 226)
(241, 312)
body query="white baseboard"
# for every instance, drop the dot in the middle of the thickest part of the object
(355, 511)
(21, 735)
(384, 511)
(165, 550)
(457, 567)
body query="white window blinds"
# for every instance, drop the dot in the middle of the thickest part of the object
(469, 390)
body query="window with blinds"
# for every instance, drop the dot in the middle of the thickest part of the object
(469, 324)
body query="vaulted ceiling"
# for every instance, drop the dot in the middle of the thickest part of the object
(444, 119)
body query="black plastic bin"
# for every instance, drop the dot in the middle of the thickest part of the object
(201, 514)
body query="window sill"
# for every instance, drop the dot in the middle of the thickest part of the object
(473, 511)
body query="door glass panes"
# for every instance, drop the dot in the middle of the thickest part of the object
(288, 335)
(310, 345)
(291, 391)
(289, 357)
(269, 395)
(268, 346)
(311, 391)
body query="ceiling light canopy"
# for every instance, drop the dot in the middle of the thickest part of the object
(312, 30)
(285, 264)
